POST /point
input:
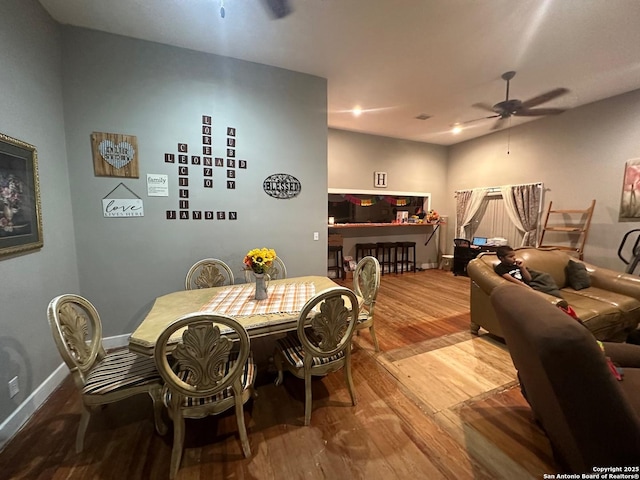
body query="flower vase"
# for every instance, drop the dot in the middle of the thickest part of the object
(261, 286)
(8, 213)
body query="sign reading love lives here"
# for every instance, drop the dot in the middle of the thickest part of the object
(122, 207)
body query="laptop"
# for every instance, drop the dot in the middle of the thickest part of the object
(479, 241)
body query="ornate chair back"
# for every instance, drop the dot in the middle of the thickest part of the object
(332, 325)
(323, 341)
(207, 273)
(77, 332)
(366, 283)
(209, 372)
(102, 377)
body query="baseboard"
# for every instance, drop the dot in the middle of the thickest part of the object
(428, 266)
(115, 342)
(30, 405)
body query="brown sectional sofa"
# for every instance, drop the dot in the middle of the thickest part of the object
(591, 418)
(609, 308)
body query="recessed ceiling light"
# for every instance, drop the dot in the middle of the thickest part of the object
(423, 116)
(456, 129)
(357, 111)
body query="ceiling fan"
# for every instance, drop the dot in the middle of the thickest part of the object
(517, 108)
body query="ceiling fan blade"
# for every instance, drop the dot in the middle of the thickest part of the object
(483, 106)
(477, 119)
(499, 123)
(545, 97)
(538, 112)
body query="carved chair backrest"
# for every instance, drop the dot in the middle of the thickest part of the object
(77, 332)
(203, 353)
(366, 282)
(207, 273)
(331, 324)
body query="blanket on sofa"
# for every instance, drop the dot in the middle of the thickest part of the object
(544, 282)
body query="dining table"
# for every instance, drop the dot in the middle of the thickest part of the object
(276, 314)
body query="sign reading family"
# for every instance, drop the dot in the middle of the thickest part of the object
(157, 185)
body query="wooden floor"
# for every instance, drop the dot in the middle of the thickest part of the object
(436, 403)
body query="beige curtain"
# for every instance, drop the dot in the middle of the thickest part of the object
(523, 207)
(467, 204)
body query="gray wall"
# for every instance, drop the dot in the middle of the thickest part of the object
(31, 110)
(579, 155)
(411, 167)
(158, 93)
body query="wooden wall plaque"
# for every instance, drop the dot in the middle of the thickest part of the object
(114, 155)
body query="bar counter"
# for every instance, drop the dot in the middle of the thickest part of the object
(427, 255)
(384, 225)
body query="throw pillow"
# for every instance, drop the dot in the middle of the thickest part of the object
(577, 275)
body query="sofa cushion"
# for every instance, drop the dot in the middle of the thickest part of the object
(609, 315)
(577, 275)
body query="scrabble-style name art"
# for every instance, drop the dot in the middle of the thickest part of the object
(212, 167)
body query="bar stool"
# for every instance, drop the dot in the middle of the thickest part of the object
(364, 250)
(406, 255)
(386, 253)
(335, 254)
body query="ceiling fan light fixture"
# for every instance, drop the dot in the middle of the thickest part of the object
(512, 107)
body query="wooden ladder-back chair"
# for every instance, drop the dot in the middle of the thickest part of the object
(207, 273)
(209, 372)
(322, 342)
(276, 271)
(366, 282)
(102, 377)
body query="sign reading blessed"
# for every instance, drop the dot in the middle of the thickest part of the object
(114, 155)
(281, 185)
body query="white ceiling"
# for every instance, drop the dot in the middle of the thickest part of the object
(398, 59)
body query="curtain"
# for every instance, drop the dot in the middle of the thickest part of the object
(523, 206)
(467, 204)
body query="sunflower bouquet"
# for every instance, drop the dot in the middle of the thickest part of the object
(259, 259)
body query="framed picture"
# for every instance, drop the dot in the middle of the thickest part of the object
(20, 223)
(630, 202)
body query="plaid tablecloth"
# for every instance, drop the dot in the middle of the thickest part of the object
(238, 301)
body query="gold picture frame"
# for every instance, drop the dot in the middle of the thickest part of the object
(20, 220)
